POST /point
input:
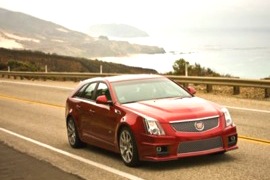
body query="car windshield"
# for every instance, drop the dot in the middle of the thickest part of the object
(147, 89)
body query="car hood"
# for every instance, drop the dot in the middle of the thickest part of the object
(176, 109)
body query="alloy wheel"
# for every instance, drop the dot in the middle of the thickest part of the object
(71, 131)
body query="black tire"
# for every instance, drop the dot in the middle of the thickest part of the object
(72, 133)
(219, 153)
(128, 148)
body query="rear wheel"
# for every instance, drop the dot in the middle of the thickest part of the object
(128, 148)
(73, 137)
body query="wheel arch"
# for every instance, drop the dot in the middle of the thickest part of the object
(136, 160)
(69, 116)
(121, 126)
(135, 124)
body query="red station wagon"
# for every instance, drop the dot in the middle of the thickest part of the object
(147, 118)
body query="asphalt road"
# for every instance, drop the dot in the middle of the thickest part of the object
(32, 121)
(16, 165)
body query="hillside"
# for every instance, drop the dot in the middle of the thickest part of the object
(23, 60)
(21, 31)
(116, 30)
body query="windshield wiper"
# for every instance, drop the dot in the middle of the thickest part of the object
(128, 102)
(182, 97)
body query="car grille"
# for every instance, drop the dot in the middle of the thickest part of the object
(200, 145)
(189, 126)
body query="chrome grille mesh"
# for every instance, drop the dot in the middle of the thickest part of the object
(200, 145)
(189, 126)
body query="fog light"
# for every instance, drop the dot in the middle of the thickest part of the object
(232, 140)
(159, 149)
(162, 150)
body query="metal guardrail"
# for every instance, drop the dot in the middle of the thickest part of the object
(236, 83)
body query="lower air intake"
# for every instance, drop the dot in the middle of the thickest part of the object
(200, 145)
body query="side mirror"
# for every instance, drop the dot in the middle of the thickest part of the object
(191, 90)
(103, 100)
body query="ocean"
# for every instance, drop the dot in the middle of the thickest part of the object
(241, 53)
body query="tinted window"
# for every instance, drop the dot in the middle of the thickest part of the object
(79, 93)
(87, 91)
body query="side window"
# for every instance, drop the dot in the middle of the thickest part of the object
(103, 90)
(79, 93)
(89, 91)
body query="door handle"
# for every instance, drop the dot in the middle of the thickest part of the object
(91, 111)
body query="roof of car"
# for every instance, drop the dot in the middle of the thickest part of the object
(124, 77)
(132, 77)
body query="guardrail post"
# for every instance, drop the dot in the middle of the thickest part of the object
(267, 93)
(100, 71)
(185, 85)
(236, 90)
(209, 88)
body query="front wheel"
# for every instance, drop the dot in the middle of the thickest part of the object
(73, 137)
(219, 153)
(128, 148)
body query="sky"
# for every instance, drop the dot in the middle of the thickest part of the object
(157, 16)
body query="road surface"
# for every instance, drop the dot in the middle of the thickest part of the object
(32, 122)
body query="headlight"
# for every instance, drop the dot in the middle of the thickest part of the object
(153, 127)
(227, 116)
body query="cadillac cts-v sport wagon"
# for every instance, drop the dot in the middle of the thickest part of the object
(147, 118)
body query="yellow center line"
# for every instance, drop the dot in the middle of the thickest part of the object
(30, 101)
(250, 139)
(257, 140)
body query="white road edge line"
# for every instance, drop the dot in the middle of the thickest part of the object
(247, 109)
(67, 88)
(73, 156)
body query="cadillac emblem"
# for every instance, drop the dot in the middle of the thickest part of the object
(199, 125)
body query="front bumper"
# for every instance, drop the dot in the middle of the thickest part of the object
(165, 148)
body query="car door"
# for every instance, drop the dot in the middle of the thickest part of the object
(85, 107)
(104, 120)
